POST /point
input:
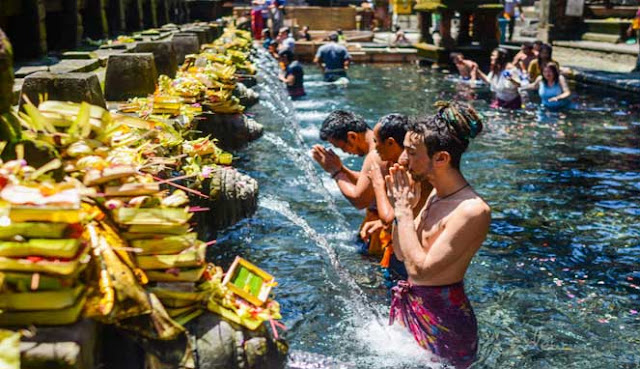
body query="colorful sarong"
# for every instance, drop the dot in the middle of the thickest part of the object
(512, 104)
(257, 24)
(440, 318)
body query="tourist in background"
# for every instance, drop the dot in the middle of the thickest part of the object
(635, 28)
(502, 81)
(537, 65)
(266, 36)
(523, 58)
(286, 41)
(292, 74)
(510, 13)
(276, 16)
(536, 47)
(400, 37)
(305, 35)
(333, 59)
(552, 87)
(438, 246)
(468, 69)
(257, 22)
(273, 49)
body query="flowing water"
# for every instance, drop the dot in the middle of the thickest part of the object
(554, 286)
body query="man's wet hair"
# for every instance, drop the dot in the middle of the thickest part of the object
(286, 53)
(395, 126)
(453, 56)
(339, 123)
(527, 45)
(537, 42)
(450, 129)
(333, 36)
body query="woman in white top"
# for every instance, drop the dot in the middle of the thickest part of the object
(502, 81)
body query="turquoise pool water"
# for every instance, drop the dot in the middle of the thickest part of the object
(554, 286)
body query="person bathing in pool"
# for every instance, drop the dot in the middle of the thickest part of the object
(388, 136)
(438, 245)
(468, 69)
(350, 133)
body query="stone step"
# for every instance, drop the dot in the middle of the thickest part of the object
(601, 37)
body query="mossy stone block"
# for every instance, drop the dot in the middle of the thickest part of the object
(185, 44)
(6, 73)
(130, 75)
(74, 87)
(164, 55)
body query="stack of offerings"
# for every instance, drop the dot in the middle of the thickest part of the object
(42, 253)
(165, 247)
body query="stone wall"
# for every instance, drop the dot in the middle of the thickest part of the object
(38, 27)
(317, 18)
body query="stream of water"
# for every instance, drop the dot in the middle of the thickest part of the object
(555, 284)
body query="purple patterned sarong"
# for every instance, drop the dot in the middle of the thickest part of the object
(440, 318)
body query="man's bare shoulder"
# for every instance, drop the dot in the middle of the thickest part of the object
(372, 158)
(474, 208)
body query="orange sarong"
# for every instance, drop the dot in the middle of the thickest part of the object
(380, 241)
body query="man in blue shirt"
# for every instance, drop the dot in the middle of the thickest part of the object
(333, 59)
(292, 74)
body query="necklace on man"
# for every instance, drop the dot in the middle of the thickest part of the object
(432, 201)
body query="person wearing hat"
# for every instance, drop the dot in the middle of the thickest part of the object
(333, 59)
(292, 74)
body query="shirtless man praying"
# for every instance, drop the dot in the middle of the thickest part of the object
(350, 133)
(438, 245)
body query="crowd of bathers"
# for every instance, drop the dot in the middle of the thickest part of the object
(532, 68)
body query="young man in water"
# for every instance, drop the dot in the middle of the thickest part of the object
(350, 133)
(524, 57)
(292, 74)
(468, 69)
(438, 245)
(333, 59)
(389, 136)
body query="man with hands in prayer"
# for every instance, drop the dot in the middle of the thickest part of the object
(438, 245)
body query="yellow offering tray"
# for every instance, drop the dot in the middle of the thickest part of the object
(191, 257)
(165, 245)
(33, 230)
(229, 314)
(44, 214)
(30, 282)
(248, 281)
(176, 275)
(153, 229)
(61, 248)
(64, 316)
(41, 300)
(180, 299)
(56, 267)
(95, 177)
(132, 189)
(149, 216)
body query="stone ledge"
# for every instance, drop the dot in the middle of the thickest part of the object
(629, 82)
(599, 46)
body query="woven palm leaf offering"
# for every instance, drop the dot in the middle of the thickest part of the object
(42, 253)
